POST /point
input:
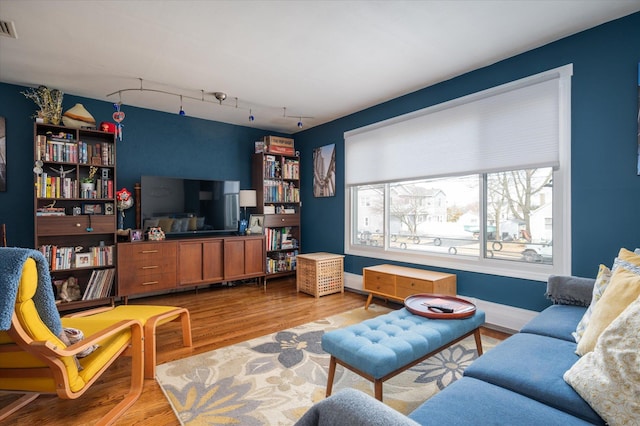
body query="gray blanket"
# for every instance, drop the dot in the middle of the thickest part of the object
(569, 290)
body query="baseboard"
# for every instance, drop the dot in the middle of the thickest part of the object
(499, 317)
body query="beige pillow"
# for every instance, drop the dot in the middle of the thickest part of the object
(609, 377)
(623, 289)
(602, 281)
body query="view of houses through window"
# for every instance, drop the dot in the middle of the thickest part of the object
(504, 215)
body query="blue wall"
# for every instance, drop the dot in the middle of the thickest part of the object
(605, 187)
(606, 206)
(154, 143)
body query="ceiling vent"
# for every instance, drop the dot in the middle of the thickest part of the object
(8, 29)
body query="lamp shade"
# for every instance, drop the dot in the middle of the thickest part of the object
(248, 198)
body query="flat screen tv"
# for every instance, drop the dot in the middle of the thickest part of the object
(182, 206)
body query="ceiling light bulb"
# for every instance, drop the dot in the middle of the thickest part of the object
(300, 123)
(251, 117)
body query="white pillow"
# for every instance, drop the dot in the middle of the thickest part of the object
(608, 378)
(602, 281)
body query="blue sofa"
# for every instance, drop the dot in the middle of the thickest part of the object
(518, 382)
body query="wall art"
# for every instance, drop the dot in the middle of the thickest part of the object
(324, 171)
(3, 155)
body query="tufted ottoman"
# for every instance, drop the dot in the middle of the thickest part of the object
(380, 348)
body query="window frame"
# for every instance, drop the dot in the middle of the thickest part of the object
(561, 209)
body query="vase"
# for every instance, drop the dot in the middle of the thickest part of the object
(86, 189)
(78, 117)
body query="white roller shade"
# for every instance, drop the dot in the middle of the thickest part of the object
(513, 126)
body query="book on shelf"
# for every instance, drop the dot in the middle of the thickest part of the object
(100, 284)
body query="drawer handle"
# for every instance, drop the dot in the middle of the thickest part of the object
(149, 251)
(150, 283)
(150, 267)
(78, 225)
(413, 284)
(282, 219)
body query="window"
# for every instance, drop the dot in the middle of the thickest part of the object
(496, 203)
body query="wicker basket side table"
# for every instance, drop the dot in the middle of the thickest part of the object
(320, 273)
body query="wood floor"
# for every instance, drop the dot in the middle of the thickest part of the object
(220, 316)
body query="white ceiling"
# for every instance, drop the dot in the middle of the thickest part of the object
(317, 59)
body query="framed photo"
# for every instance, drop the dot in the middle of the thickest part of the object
(83, 260)
(108, 208)
(324, 171)
(137, 235)
(89, 208)
(256, 223)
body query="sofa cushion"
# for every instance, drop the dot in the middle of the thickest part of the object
(602, 281)
(533, 366)
(623, 289)
(609, 377)
(472, 402)
(557, 321)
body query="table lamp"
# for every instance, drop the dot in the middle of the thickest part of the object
(247, 198)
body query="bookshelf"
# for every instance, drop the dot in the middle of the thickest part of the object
(276, 179)
(75, 222)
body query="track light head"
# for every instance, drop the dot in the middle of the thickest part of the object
(251, 117)
(220, 96)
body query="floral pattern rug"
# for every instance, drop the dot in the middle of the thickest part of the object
(275, 379)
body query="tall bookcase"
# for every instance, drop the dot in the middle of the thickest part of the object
(75, 225)
(276, 179)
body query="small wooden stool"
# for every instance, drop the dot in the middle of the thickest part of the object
(151, 317)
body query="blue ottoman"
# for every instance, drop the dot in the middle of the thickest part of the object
(380, 348)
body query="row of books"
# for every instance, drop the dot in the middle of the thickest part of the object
(58, 187)
(286, 168)
(103, 189)
(99, 284)
(69, 151)
(279, 239)
(97, 154)
(56, 149)
(60, 258)
(283, 262)
(276, 191)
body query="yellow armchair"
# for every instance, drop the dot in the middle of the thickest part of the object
(34, 360)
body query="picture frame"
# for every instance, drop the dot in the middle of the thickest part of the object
(91, 208)
(256, 224)
(3, 155)
(136, 235)
(83, 260)
(324, 171)
(109, 208)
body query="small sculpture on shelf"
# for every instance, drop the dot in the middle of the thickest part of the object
(124, 200)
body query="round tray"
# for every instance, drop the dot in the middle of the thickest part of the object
(425, 305)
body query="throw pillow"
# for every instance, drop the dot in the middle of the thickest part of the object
(630, 260)
(602, 281)
(608, 378)
(623, 288)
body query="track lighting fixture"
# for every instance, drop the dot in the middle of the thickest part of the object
(182, 113)
(218, 98)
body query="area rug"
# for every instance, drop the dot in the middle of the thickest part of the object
(275, 379)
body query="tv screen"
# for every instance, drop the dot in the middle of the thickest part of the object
(182, 206)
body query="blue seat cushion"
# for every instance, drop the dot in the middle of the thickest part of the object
(557, 321)
(533, 365)
(381, 345)
(473, 402)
